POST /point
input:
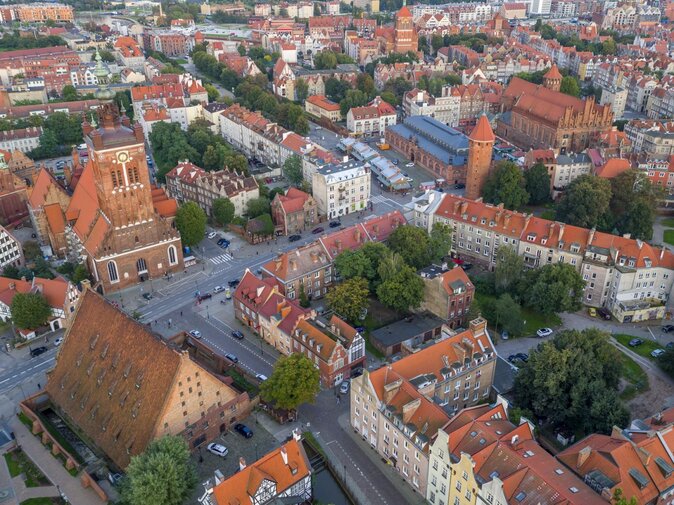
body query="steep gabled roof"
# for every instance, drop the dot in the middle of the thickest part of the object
(482, 131)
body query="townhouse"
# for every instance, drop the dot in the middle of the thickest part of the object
(448, 293)
(294, 212)
(321, 107)
(445, 108)
(372, 119)
(399, 408)
(11, 252)
(629, 277)
(654, 139)
(341, 188)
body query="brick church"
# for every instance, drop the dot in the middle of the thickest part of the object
(116, 221)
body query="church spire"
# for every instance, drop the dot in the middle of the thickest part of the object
(103, 93)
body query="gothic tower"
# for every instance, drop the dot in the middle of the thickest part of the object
(480, 147)
(553, 79)
(405, 37)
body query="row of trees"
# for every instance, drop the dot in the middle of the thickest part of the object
(607, 47)
(389, 272)
(514, 189)
(327, 59)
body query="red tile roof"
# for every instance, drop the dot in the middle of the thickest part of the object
(613, 167)
(482, 131)
(553, 73)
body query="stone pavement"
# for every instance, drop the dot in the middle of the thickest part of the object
(52, 467)
(6, 484)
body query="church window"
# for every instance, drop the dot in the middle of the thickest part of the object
(112, 271)
(173, 259)
(132, 174)
(141, 265)
(115, 181)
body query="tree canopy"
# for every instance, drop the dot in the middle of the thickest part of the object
(294, 381)
(402, 291)
(554, 288)
(223, 211)
(191, 223)
(292, 170)
(506, 185)
(349, 298)
(30, 310)
(537, 184)
(412, 243)
(585, 201)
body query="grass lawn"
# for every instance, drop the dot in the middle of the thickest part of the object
(241, 383)
(669, 221)
(42, 501)
(533, 320)
(378, 315)
(548, 214)
(18, 463)
(668, 236)
(642, 350)
(634, 374)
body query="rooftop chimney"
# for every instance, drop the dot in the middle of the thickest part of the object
(583, 454)
(242, 463)
(284, 455)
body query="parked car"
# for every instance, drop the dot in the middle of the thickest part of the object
(543, 332)
(244, 430)
(592, 311)
(520, 356)
(205, 296)
(294, 238)
(58, 341)
(344, 387)
(604, 313)
(410, 164)
(466, 266)
(237, 334)
(233, 283)
(334, 224)
(318, 230)
(231, 357)
(211, 234)
(395, 162)
(223, 242)
(195, 333)
(261, 377)
(667, 328)
(459, 186)
(217, 449)
(670, 345)
(147, 296)
(218, 289)
(37, 351)
(635, 342)
(656, 353)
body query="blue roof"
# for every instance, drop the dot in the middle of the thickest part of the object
(441, 141)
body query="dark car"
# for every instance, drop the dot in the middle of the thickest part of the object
(237, 334)
(667, 328)
(234, 283)
(317, 230)
(459, 186)
(231, 357)
(205, 296)
(37, 351)
(244, 430)
(467, 266)
(604, 313)
(223, 241)
(294, 238)
(147, 296)
(670, 345)
(635, 342)
(334, 224)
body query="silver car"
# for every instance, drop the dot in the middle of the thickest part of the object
(218, 450)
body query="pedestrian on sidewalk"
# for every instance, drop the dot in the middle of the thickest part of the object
(181, 313)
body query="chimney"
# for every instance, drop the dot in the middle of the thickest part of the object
(409, 409)
(242, 463)
(391, 389)
(357, 235)
(478, 326)
(278, 262)
(583, 454)
(514, 440)
(284, 455)
(12, 285)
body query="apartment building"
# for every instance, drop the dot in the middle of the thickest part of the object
(568, 167)
(22, 139)
(399, 408)
(448, 293)
(36, 13)
(294, 212)
(629, 277)
(480, 457)
(445, 108)
(321, 107)
(171, 43)
(616, 98)
(654, 139)
(341, 189)
(373, 119)
(11, 252)
(189, 183)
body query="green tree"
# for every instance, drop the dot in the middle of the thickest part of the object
(571, 382)
(191, 223)
(389, 97)
(506, 185)
(412, 243)
(349, 298)
(326, 59)
(537, 184)
(391, 264)
(301, 89)
(585, 201)
(439, 241)
(292, 170)
(162, 475)
(608, 47)
(303, 298)
(294, 381)
(570, 86)
(509, 268)
(223, 211)
(69, 93)
(11, 271)
(403, 291)
(31, 250)
(508, 315)
(354, 263)
(241, 50)
(213, 93)
(619, 498)
(555, 288)
(30, 310)
(258, 206)
(633, 204)
(79, 274)
(170, 145)
(365, 83)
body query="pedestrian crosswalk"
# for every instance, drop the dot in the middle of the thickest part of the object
(223, 258)
(385, 200)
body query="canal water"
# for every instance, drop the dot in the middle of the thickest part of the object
(327, 490)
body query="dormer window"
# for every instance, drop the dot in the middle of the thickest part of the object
(531, 237)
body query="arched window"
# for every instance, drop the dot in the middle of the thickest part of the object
(141, 266)
(173, 257)
(112, 271)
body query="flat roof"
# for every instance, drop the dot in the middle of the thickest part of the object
(400, 331)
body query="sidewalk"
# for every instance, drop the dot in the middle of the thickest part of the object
(52, 467)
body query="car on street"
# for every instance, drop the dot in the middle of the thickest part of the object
(520, 356)
(635, 342)
(218, 289)
(205, 296)
(37, 351)
(58, 341)
(592, 312)
(670, 345)
(543, 332)
(335, 224)
(459, 186)
(344, 387)
(261, 377)
(294, 238)
(656, 353)
(231, 357)
(395, 162)
(320, 229)
(147, 296)
(667, 328)
(244, 430)
(217, 449)
(211, 234)
(223, 241)
(604, 313)
(195, 333)
(237, 334)
(405, 174)
(233, 283)
(410, 164)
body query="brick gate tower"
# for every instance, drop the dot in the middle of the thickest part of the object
(405, 36)
(122, 225)
(480, 147)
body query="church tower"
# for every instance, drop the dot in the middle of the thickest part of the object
(553, 78)
(405, 37)
(480, 147)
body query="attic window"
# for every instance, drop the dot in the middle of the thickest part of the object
(115, 360)
(127, 370)
(559, 471)
(104, 352)
(573, 489)
(531, 237)
(139, 379)
(665, 467)
(90, 368)
(520, 496)
(93, 341)
(638, 477)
